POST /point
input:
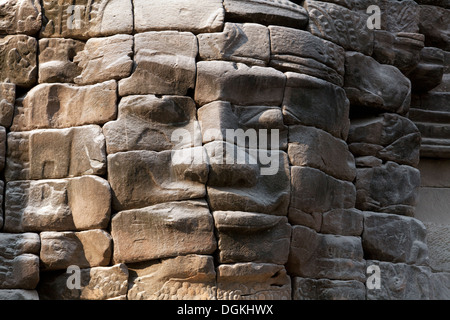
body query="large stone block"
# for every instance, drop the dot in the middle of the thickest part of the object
(55, 153)
(346, 222)
(156, 177)
(389, 137)
(283, 12)
(19, 16)
(56, 59)
(429, 72)
(300, 51)
(104, 59)
(153, 123)
(433, 24)
(252, 237)
(7, 101)
(394, 238)
(60, 250)
(315, 255)
(57, 106)
(325, 289)
(389, 188)
(314, 102)
(18, 60)
(57, 205)
(246, 126)
(190, 277)
(83, 19)
(181, 15)
(163, 230)
(240, 42)
(311, 147)
(247, 180)
(238, 83)
(19, 261)
(164, 64)
(340, 25)
(98, 283)
(253, 281)
(369, 84)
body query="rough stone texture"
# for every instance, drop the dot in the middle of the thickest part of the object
(18, 16)
(18, 294)
(7, 100)
(56, 59)
(153, 123)
(55, 153)
(324, 289)
(164, 64)
(253, 281)
(59, 106)
(433, 22)
(99, 283)
(438, 246)
(57, 205)
(163, 231)
(252, 237)
(19, 261)
(190, 277)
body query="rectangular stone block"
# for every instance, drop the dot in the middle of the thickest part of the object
(190, 277)
(58, 106)
(325, 289)
(315, 255)
(19, 16)
(84, 19)
(346, 222)
(98, 283)
(394, 238)
(7, 102)
(60, 250)
(57, 205)
(340, 25)
(153, 123)
(182, 15)
(391, 188)
(164, 64)
(433, 205)
(285, 13)
(434, 173)
(316, 148)
(246, 126)
(156, 177)
(300, 51)
(252, 237)
(18, 60)
(56, 60)
(19, 261)
(105, 59)
(253, 281)
(314, 102)
(247, 180)
(238, 83)
(162, 231)
(248, 43)
(55, 153)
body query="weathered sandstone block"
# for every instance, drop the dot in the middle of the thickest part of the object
(156, 177)
(164, 64)
(433, 24)
(252, 237)
(163, 230)
(57, 205)
(314, 102)
(346, 222)
(325, 289)
(240, 42)
(19, 261)
(98, 283)
(190, 277)
(55, 153)
(181, 15)
(429, 72)
(59, 106)
(153, 123)
(315, 255)
(7, 101)
(56, 59)
(249, 281)
(20, 16)
(238, 83)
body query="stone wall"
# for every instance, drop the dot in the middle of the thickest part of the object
(129, 156)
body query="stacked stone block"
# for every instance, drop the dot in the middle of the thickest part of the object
(119, 159)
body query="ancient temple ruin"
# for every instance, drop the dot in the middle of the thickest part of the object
(225, 149)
